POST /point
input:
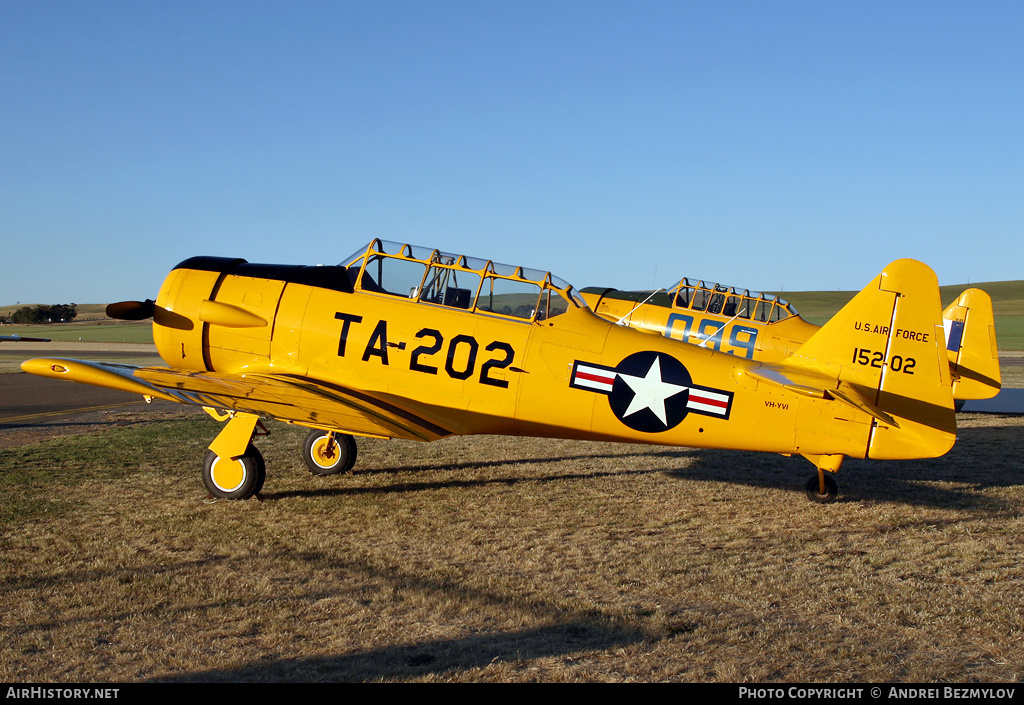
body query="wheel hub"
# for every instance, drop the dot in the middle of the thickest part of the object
(325, 452)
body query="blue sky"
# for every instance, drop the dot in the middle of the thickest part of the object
(767, 145)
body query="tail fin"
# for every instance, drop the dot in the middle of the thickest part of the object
(971, 346)
(886, 354)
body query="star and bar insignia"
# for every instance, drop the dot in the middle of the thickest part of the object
(650, 391)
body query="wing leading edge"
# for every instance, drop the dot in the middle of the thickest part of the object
(293, 398)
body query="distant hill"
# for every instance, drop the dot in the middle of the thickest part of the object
(819, 306)
(814, 306)
(1007, 305)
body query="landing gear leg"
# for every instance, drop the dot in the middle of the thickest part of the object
(822, 487)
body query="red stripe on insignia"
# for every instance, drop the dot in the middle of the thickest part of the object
(710, 401)
(592, 377)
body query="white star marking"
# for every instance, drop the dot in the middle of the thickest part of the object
(650, 392)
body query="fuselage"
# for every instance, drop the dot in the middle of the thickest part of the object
(558, 371)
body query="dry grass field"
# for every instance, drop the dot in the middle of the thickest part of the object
(505, 559)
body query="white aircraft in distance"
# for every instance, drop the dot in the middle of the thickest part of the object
(22, 339)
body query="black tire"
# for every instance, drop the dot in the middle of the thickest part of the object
(324, 457)
(261, 469)
(814, 491)
(234, 479)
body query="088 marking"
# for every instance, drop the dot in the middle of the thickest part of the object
(876, 359)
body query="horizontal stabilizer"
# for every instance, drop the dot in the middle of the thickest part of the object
(803, 383)
(819, 387)
(855, 401)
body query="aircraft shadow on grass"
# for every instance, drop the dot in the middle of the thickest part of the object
(983, 458)
(561, 632)
(436, 657)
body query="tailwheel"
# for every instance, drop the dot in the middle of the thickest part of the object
(329, 453)
(240, 478)
(822, 488)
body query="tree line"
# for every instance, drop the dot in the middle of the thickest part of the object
(58, 313)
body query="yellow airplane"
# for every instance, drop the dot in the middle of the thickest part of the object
(405, 342)
(768, 328)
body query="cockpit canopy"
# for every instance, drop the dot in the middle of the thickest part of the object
(729, 301)
(457, 281)
(709, 297)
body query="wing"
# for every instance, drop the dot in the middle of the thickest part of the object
(294, 398)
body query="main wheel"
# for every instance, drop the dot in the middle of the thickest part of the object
(329, 453)
(234, 479)
(814, 489)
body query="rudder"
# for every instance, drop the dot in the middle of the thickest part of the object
(971, 346)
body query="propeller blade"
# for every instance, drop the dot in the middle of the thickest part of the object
(132, 310)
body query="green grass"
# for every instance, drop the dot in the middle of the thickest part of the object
(87, 332)
(26, 472)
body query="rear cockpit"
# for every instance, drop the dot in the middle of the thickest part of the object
(729, 301)
(708, 297)
(456, 281)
